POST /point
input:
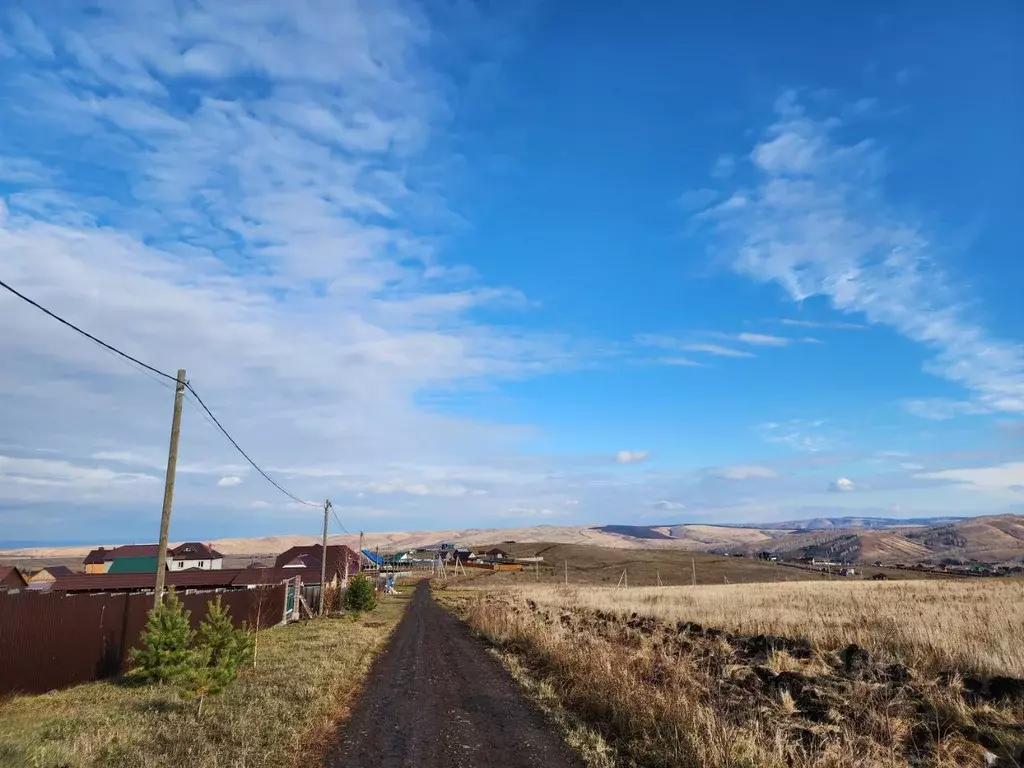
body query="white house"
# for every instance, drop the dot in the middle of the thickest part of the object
(194, 554)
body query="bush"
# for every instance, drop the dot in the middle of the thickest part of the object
(360, 595)
(166, 654)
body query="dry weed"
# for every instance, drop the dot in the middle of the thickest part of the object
(673, 694)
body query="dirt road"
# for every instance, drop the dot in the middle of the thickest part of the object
(436, 698)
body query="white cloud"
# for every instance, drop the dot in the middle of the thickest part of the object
(724, 167)
(716, 349)
(231, 480)
(31, 475)
(942, 409)
(27, 36)
(280, 243)
(23, 170)
(799, 434)
(817, 224)
(530, 512)
(743, 472)
(764, 339)
(1004, 477)
(841, 485)
(631, 457)
(668, 506)
(697, 199)
(816, 324)
(681, 362)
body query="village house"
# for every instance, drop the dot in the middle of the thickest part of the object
(309, 557)
(11, 578)
(131, 558)
(194, 554)
(49, 574)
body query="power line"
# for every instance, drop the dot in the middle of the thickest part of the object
(87, 335)
(338, 521)
(188, 385)
(238, 448)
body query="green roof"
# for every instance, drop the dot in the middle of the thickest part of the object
(133, 565)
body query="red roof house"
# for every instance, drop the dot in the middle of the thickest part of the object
(310, 557)
(11, 578)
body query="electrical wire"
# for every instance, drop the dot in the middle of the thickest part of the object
(87, 335)
(238, 448)
(188, 385)
(338, 521)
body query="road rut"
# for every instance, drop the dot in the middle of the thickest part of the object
(436, 698)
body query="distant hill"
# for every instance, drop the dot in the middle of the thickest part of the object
(995, 539)
(826, 523)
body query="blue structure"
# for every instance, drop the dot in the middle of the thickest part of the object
(375, 559)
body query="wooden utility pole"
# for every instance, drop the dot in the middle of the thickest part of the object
(165, 514)
(567, 573)
(693, 567)
(361, 555)
(323, 562)
(658, 576)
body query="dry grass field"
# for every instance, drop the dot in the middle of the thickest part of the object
(970, 625)
(280, 714)
(805, 674)
(604, 566)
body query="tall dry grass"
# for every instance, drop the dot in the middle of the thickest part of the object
(974, 626)
(662, 707)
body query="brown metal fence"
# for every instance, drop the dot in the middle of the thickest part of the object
(50, 641)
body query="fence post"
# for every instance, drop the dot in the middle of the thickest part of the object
(122, 651)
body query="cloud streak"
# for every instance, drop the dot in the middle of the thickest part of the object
(816, 223)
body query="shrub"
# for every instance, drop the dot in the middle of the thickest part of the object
(360, 595)
(166, 654)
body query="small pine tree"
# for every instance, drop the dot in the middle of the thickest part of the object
(223, 648)
(166, 654)
(360, 595)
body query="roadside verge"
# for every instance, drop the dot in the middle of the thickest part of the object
(280, 714)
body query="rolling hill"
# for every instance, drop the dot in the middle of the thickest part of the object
(995, 539)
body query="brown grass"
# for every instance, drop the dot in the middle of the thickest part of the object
(655, 693)
(280, 714)
(971, 625)
(604, 566)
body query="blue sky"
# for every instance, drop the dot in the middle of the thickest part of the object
(457, 264)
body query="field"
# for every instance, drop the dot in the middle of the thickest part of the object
(279, 714)
(826, 674)
(604, 566)
(973, 626)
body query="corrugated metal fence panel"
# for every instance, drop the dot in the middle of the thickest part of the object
(50, 641)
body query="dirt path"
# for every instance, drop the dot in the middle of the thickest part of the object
(436, 698)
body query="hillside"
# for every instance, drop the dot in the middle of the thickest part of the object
(985, 539)
(996, 539)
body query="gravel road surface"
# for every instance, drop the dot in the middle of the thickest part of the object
(436, 698)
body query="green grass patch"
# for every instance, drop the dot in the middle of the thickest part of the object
(279, 714)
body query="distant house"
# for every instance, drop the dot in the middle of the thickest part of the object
(134, 565)
(497, 554)
(142, 556)
(11, 578)
(195, 554)
(96, 561)
(309, 558)
(462, 554)
(50, 574)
